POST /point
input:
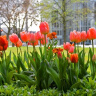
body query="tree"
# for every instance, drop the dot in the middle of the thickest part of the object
(17, 14)
(65, 10)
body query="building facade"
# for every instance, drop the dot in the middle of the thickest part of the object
(78, 23)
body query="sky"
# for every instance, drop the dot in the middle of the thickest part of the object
(34, 27)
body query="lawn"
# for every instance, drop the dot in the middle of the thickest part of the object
(30, 48)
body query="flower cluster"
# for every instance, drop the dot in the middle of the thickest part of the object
(69, 47)
(78, 37)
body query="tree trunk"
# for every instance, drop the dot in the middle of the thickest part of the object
(64, 18)
(64, 26)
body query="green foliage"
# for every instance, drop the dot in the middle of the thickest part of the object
(6, 70)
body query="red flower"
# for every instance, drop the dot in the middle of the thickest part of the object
(33, 39)
(33, 44)
(3, 43)
(94, 57)
(44, 28)
(13, 38)
(25, 36)
(78, 37)
(59, 54)
(91, 34)
(74, 58)
(71, 50)
(40, 36)
(83, 36)
(73, 36)
(66, 46)
(56, 50)
(52, 35)
(43, 41)
(19, 43)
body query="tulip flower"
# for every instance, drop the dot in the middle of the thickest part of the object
(91, 35)
(33, 40)
(78, 37)
(19, 43)
(43, 41)
(71, 50)
(74, 58)
(66, 46)
(73, 36)
(59, 54)
(94, 58)
(25, 36)
(83, 38)
(13, 38)
(33, 44)
(40, 36)
(3, 43)
(56, 50)
(44, 28)
(52, 35)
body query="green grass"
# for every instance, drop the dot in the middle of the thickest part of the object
(24, 48)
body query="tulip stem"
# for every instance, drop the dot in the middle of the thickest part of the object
(33, 48)
(83, 47)
(5, 54)
(27, 47)
(45, 45)
(75, 47)
(40, 48)
(17, 51)
(20, 51)
(92, 46)
(67, 54)
(78, 47)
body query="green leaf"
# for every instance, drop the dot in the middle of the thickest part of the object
(14, 58)
(20, 63)
(9, 76)
(25, 78)
(54, 76)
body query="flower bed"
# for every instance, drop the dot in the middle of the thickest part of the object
(51, 68)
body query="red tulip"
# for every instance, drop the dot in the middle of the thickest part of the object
(13, 38)
(33, 38)
(40, 36)
(43, 41)
(19, 43)
(91, 34)
(74, 58)
(44, 28)
(33, 44)
(66, 46)
(83, 36)
(94, 58)
(73, 36)
(71, 50)
(25, 36)
(59, 54)
(78, 37)
(3, 43)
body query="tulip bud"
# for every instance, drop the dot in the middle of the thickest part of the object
(94, 58)
(59, 54)
(68, 59)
